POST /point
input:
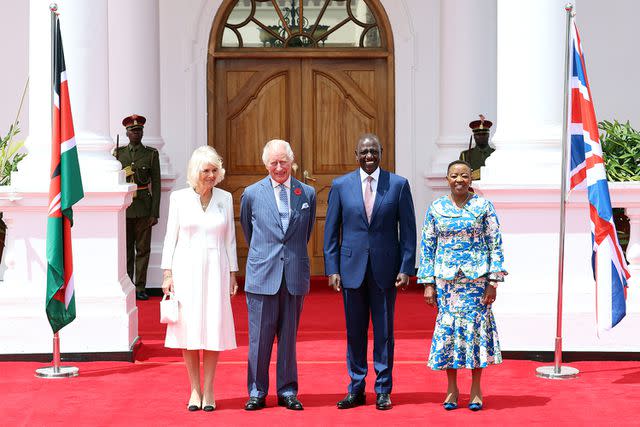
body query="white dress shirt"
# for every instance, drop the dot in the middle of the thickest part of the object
(374, 182)
(276, 191)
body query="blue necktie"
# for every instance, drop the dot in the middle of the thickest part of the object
(283, 207)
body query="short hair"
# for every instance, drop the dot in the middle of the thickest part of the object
(272, 145)
(203, 156)
(458, 162)
(370, 137)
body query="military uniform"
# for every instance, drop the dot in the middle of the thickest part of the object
(142, 167)
(477, 155)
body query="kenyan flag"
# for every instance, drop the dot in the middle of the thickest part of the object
(64, 191)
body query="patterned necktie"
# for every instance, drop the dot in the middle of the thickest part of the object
(368, 198)
(283, 207)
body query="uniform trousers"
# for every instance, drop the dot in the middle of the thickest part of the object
(138, 250)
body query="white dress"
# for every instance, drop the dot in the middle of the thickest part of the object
(200, 250)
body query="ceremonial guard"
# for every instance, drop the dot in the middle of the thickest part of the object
(477, 155)
(142, 167)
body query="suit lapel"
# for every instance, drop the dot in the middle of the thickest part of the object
(298, 197)
(381, 191)
(270, 199)
(356, 188)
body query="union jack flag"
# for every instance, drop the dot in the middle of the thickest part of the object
(587, 166)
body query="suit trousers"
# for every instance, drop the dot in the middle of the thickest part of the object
(271, 316)
(138, 250)
(359, 303)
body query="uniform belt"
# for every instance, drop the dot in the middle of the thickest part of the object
(142, 187)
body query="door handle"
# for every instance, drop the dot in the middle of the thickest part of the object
(307, 176)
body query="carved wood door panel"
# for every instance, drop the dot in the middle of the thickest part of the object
(342, 100)
(320, 106)
(255, 101)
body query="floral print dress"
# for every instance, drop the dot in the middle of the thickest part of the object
(460, 250)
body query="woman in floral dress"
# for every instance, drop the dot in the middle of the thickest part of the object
(460, 265)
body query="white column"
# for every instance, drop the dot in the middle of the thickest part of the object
(134, 70)
(37, 161)
(86, 45)
(467, 77)
(106, 319)
(531, 47)
(134, 56)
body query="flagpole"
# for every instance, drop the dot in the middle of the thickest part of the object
(557, 371)
(55, 371)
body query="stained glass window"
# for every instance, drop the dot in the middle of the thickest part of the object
(301, 24)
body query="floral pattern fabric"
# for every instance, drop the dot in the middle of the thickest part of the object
(461, 239)
(460, 251)
(465, 335)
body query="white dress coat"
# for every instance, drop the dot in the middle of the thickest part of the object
(200, 250)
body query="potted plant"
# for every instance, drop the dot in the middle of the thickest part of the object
(621, 152)
(9, 159)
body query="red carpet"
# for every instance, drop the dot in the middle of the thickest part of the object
(154, 390)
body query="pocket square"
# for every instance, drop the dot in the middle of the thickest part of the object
(305, 206)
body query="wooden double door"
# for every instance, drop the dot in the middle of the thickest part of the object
(320, 106)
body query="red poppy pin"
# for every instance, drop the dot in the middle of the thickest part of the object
(297, 191)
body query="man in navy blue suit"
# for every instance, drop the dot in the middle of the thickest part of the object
(277, 215)
(369, 252)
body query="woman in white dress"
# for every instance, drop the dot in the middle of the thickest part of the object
(199, 262)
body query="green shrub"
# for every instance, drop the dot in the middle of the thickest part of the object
(621, 150)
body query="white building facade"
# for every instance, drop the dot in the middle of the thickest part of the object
(452, 59)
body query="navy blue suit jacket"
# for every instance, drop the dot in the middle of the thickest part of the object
(390, 239)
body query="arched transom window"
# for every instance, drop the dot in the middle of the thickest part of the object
(277, 24)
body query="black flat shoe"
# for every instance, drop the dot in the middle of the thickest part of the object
(142, 295)
(351, 400)
(290, 402)
(254, 404)
(383, 401)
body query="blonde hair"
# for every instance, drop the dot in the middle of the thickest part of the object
(273, 145)
(203, 156)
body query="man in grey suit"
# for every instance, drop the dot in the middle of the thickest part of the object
(277, 215)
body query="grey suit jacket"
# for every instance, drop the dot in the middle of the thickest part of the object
(272, 251)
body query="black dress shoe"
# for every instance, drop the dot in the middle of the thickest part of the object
(254, 404)
(142, 295)
(351, 400)
(290, 402)
(193, 408)
(383, 401)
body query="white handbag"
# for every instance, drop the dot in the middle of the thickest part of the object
(169, 308)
